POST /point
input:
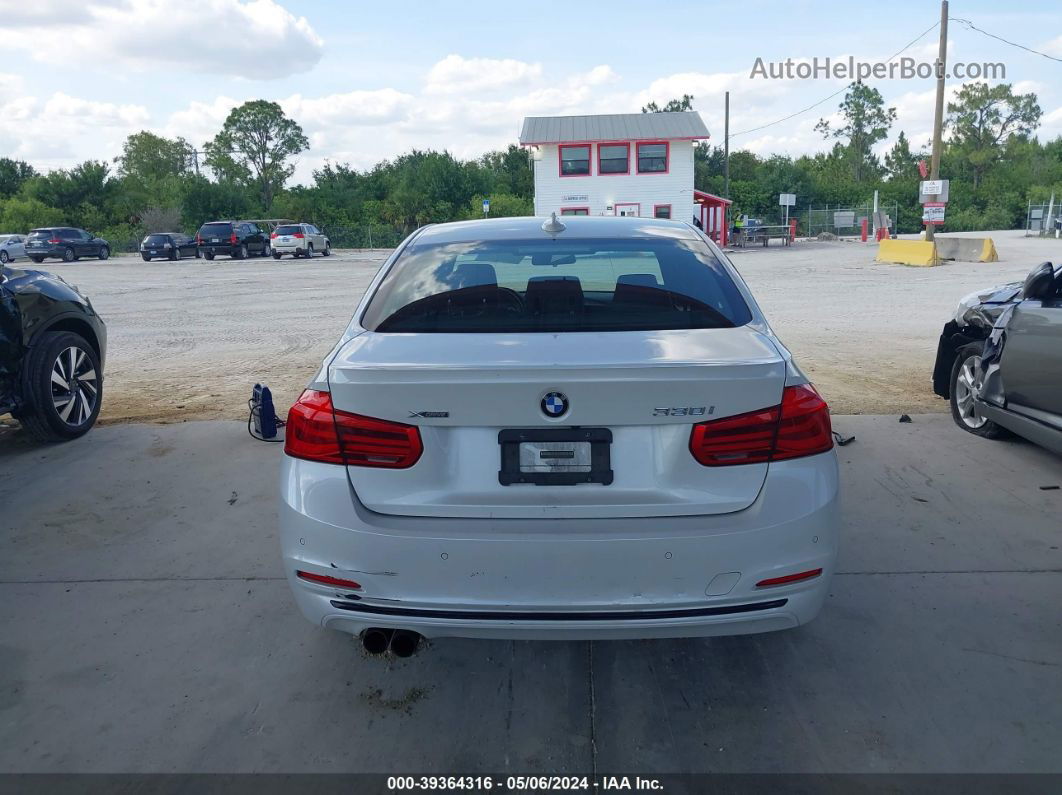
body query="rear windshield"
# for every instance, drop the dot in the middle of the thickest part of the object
(289, 230)
(215, 230)
(157, 239)
(554, 285)
(37, 233)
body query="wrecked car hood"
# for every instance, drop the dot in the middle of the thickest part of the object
(981, 308)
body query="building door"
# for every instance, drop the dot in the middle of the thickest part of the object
(628, 209)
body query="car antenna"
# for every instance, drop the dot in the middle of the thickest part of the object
(553, 226)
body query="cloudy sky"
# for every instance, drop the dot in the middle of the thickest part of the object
(369, 80)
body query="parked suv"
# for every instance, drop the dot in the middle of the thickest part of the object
(52, 347)
(65, 243)
(299, 240)
(168, 245)
(236, 239)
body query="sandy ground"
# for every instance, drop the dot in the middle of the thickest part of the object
(188, 341)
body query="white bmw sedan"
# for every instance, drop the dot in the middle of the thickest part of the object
(549, 430)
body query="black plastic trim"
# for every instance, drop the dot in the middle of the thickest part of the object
(606, 615)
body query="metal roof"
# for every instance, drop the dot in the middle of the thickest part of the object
(612, 127)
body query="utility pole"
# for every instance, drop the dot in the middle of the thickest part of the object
(726, 146)
(938, 114)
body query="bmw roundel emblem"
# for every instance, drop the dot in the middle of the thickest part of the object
(554, 404)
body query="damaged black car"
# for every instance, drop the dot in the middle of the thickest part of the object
(52, 350)
(999, 360)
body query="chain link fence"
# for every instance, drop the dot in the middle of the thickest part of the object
(844, 221)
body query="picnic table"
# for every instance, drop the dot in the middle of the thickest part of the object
(763, 234)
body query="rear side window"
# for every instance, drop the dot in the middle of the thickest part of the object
(544, 285)
(289, 230)
(215, 230)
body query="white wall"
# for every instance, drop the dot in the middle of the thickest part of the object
(552, 191)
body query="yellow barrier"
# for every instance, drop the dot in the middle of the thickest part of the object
(988, 252)
(908, 252)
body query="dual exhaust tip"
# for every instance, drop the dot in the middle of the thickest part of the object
(400, 642)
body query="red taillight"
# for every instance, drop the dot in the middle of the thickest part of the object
(198, 240)
(324, 579)
(799, 426)
(273, 236)
(233, 238)
(789, 578)
(299, 235)
(317, 432)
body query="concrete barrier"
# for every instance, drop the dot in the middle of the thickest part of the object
(967, 249)
(908, 252)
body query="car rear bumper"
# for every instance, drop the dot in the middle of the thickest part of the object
(563, 579)
(288, 248)
(50, 251)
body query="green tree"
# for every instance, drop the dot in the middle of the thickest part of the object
(866, 122)
(13, 173)
(983, 119)
(149, 158)
(255, 147)
(672, 105)
(20, 215)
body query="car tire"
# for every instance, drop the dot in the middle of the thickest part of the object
(38, 260)
(198, 254)
(175, 254)
(209, 255)
(276, 255)
(965, 382)
(104, 252)
(267, 251)
(146, 258)
(241, 252)
(68, 254)
(4, 257)
(309, 251)
(327, 250)
(43, 417)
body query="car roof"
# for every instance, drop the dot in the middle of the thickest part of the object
(576, 227)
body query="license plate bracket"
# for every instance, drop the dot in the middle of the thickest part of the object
(545, 449)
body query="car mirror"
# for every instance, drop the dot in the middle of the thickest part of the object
(1039, 282)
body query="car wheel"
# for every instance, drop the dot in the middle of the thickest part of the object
(175, 254)
(198, 254)
(68, 255)
(965, 384)
(309, 251)
(241, 252)
(4, 258)
(328, 250)
(104, 252)
(63, 386)
(276, 255)
(146, 257)
(209, 255)
(267, 251)
(38, 260)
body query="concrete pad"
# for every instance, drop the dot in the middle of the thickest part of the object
(146, 627)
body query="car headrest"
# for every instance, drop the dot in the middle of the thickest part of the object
(550, 295)
(473, 274)
(640, 288)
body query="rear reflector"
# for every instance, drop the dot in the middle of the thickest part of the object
(798, 426)
(317, 432)
(324, 579)
(789, 578)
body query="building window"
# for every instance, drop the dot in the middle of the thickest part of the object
(613, 158)
(652, 158)
(575, 161)
(575, 211)
(661, 211)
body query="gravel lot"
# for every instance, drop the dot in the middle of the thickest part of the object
(187, 341)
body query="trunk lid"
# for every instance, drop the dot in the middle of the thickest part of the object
(647, 388)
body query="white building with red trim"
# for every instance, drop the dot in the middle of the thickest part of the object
(638, 164)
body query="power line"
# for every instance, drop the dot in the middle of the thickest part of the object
(972, 26)
(835, 93)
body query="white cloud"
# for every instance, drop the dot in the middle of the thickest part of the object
(455, 74)
(257, 39)
(1053, 47)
